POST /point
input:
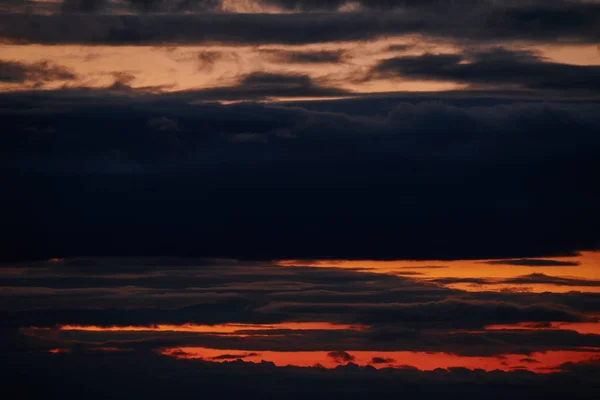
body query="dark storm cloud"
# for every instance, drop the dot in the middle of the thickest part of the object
(40, 72)
(495, 67)
(534, 263)
(415, 180)
(543, 21)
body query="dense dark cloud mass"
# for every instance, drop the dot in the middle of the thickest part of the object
(425, 180)
(567, 21)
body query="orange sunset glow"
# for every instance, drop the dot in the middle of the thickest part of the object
(223, 328)
(537, 362)
(584, 269)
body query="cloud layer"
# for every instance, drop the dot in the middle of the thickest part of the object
(155, 175)
(573, 21)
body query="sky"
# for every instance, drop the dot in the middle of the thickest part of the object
(300, 198)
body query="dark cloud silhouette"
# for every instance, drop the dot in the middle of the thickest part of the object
(341, 357)
(84, 5)
(330, 5)
(567, 21)
(534, 263)
(40, 72)
(379, 338)
(465, 314)
(263, 85)
(234, 356)
(382, 360)
(394, 313)
(122, 81)
(142, 6)
(497, 67)
(536, 278)
(415, 179)
(529, 360)
(400, 47)
(552, 280)
(174, 5)
(304, 57)
(208, 59)
(269, 84)
(228, 189)
(161, 6)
